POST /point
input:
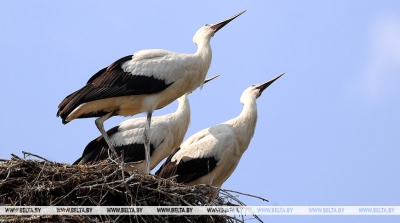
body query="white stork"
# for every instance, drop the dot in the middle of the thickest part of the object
(167, 134)
(211, 155)
(143, 82)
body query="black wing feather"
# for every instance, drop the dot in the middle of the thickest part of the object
(110, 82)
(97, 150)
(186, 171)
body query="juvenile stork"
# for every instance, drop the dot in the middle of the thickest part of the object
(167, 134)
(143, 82)
(211, 155)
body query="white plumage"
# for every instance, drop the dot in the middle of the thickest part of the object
(143, 82)
(211, 155)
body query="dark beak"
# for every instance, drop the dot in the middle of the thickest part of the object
(219, 25)
(211, 78)
(264, 86)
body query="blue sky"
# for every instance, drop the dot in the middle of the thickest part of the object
(327, 132)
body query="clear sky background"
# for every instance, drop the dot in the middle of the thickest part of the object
(328, 131)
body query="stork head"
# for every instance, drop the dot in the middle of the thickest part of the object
(253, 92)
(207, 31)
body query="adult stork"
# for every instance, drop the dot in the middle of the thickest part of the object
(167, 134)
(143, 82)
(211, 155)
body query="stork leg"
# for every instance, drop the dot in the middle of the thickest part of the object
(99, 123)
(147, 141)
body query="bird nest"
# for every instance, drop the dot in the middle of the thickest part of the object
(40, 182)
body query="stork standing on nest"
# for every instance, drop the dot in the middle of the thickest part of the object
(167, 134)
(211, 155)
(143, 82)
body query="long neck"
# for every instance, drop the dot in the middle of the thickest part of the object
(180, 119)
(204, 54)
(244, 125)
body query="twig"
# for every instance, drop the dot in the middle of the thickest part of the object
(249, 195)
(8, 174)
(41, 171)
(30, 154)
(15, 156)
